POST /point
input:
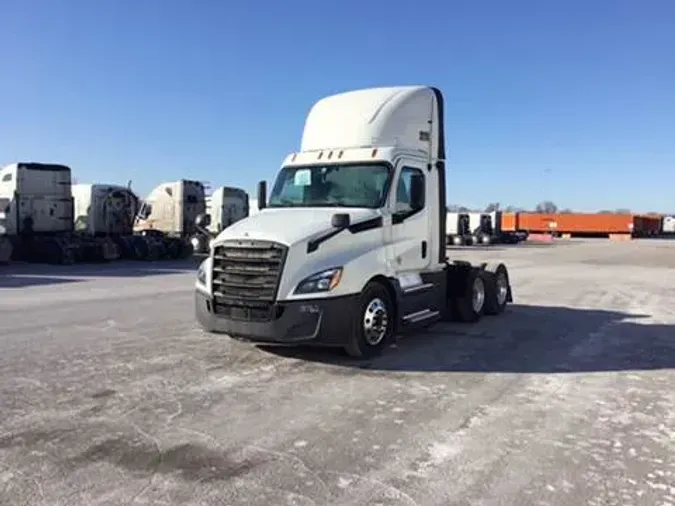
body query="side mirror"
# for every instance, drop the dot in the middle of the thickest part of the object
(203, 220)
(144, 211)
(262, 195)
(417, 191)
(340, 220)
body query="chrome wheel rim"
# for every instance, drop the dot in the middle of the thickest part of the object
(502, 288)
(478, 294)
(375, 321)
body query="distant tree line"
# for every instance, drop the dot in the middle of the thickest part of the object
(545, 206)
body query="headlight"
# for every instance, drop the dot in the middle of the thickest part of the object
(323, 281)
(202, 273)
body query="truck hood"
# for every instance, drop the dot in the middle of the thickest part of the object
(290, 225)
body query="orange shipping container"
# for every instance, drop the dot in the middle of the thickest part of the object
(509, 222)
(536, 222)
(577, 223)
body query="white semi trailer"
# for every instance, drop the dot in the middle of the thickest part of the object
(350, 248)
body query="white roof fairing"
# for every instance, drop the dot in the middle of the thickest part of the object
(378, 117)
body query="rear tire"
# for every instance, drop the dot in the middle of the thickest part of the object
(469, 307)
(458, 240)
(373, 323)
(497, 289)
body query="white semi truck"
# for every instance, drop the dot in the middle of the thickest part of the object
(350, 248)
(457, 228)
(36, 213)
(668, 225)
(224, 207)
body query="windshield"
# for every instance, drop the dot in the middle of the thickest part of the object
(343, 185)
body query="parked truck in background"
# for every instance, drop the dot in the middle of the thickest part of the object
(36, 215)
(224, 207)
(457, 229)
(486, 228)
(106, 212)
(167, 218)
(45, 218)
(139, 230)
(668, 225)
(483, 229)
(104, 209)
(351, 246)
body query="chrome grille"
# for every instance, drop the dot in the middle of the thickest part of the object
(246, 278)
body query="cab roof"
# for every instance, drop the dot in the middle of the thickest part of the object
(409, 117)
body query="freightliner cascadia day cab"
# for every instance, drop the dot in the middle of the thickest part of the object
(350, 248)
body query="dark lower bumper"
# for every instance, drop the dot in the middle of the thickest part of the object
(325, 321)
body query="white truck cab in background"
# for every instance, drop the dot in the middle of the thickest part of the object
(350, 247)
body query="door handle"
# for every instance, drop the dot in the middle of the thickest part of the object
(424, 249)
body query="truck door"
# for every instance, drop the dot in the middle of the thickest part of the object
(410, 222)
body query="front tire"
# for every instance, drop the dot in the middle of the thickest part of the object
(373, 323)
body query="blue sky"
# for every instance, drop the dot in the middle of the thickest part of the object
(571, 101)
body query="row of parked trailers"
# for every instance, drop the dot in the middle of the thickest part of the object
(503, 227)
(622, 225)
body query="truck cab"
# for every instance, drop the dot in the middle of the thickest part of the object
(104, 209)
(172, 208)
(35, 198)
(350, 246)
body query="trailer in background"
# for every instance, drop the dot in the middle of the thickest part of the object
(612, 225)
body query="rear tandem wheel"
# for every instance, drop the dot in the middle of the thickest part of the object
(486, 291)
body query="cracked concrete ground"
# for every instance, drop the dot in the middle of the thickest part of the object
(111, 396)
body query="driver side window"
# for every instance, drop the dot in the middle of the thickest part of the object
(404, 204)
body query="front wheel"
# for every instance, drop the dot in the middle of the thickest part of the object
(373, 323)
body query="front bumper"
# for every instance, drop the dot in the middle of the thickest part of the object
(318, 321)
